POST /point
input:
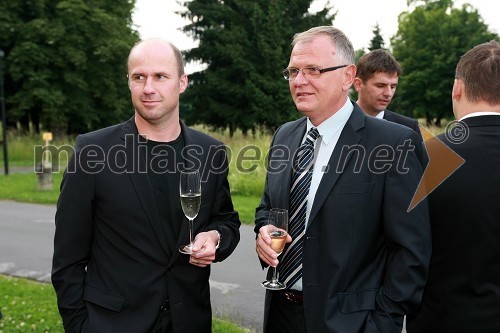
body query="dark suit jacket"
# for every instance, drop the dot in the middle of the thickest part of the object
(403, 120)
(110, 267)
(413, 124)
(463, 292)
(365, 257)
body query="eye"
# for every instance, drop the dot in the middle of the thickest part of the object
(138, 78)
(160, 77)
(293, 72)
(312, 70)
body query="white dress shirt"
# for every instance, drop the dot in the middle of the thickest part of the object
(477, 114)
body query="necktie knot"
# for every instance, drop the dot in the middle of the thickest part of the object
(312, 135)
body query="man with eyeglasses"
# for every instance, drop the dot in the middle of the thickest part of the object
(376, 81)
(356, 259)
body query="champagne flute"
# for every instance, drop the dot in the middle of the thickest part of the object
(190, 193)
(278, 230)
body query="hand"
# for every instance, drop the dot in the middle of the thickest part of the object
(204, 249)
(263, 247)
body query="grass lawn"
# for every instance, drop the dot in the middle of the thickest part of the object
(30, 306)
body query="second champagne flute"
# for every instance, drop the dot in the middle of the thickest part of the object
(190, 193)
(278, 230)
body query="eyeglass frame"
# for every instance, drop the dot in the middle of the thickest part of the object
(321, 71)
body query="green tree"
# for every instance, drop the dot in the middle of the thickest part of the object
(428, 44)
(245, 44)
(66, 62)
(377, 42)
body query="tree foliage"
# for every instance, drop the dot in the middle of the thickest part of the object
(245, 45)
(66, 62)
(428, 44)
(377, 42)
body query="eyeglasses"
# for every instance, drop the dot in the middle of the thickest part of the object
(311, 72)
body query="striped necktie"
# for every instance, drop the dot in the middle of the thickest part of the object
(290, 267)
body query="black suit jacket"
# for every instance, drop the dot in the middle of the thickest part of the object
(413, 124)
(403, 120)
(463, 292)
(365, 257)
(110, 269)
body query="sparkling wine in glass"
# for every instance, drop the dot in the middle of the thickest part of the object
(190, 193)
(278, 230)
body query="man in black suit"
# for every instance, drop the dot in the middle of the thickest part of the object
(356, 260)
(463, 291)
(119, 222)
(377, 78)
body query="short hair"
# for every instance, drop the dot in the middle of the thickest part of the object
(479, 69)
(377, 61)
(177, 54)
(343, 46)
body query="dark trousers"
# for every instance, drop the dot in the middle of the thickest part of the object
(285, 316)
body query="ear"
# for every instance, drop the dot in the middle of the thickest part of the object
(349, 75)
(358, 84)
(458, 90)
(183, 82)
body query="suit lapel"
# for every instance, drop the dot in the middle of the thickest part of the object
(388, 116)
(136, 162)
(348, 137)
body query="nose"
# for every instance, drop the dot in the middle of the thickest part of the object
(148, 86)
(388, 91)
(300, 79)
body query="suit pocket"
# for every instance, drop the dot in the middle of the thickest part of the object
(104, 299)
(357, 301)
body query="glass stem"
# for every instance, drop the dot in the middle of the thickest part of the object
(190, 233)
(275, 279)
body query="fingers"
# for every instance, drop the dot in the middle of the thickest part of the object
(203, 250)
(200, 262)
(263, 248)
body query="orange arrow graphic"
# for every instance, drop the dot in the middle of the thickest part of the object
(443, 162)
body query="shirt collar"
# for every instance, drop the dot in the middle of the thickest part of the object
(335, 123)
(477, 114)
(380, 115)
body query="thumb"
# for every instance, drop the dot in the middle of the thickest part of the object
(197, 243)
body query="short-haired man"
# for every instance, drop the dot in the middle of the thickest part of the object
(463, 290)
(377, 78)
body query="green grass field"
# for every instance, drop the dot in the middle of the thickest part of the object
(30, 306)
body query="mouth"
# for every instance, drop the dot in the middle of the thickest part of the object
(303, 94)
(149, 102)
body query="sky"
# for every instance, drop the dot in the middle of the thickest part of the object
(157, 18)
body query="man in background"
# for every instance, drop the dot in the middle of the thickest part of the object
(376, 81)
(463, 291)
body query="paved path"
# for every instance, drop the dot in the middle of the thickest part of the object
(26, 236)
(26, 247)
